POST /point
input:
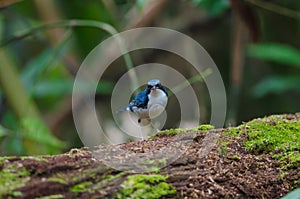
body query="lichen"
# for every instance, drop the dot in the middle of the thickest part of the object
(145, 186)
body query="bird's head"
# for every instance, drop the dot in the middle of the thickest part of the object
(154, 84)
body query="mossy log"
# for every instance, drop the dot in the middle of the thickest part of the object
(258, 159)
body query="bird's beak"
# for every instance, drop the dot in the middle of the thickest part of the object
(153, 88)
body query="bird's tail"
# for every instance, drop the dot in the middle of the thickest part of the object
(123, 109)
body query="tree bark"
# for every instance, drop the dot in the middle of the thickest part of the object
(228, 169)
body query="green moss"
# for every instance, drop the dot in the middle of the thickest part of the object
(12, 176)
(156, 164)
(274, 134)
(90, 187)
(2, 159)
(113, 177)
(171, 132)
(145, 186)
(58, 178)
(155, 169)
(221, 151)
(223, 148)
(91, 173)
(288, 159)
(224, 144)
(55, 196)
(282, 174)
(203, 127)
(37, 158)
(16, 193)
(232, 132)
(234, 157)
(81, 187)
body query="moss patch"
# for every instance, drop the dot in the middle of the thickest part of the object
(59, 178)
(274, 134)
(12, 176)
(223, 148)
(37, 158)
(203, 127)
(232, 132)
(145, 186)
(234, 157)
(92, 187)
(81, 187)
(171, 132)
(2, 159)
(55, 196)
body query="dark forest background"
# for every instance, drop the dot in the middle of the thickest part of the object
(254, 43)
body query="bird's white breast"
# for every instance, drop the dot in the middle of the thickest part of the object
(157, 96)
(156, 105)
(157, 102)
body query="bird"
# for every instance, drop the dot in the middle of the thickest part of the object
(150, 102)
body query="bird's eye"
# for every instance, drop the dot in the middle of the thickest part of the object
(157, 85)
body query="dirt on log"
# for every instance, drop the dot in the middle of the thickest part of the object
(235, 166)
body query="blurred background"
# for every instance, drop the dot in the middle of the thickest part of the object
(254, 43)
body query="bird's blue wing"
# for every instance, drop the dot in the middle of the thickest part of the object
(140, 100)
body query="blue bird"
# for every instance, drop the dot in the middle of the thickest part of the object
(149, 103)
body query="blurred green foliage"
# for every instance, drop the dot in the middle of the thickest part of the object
(141, 3)
(278, 84)
(3, 132)
(278, 53)
(213, 7)
(48, 80)
(36, 131)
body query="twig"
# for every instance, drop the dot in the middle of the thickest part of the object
(276, 8)
(146, 16)
(54, 57)
(80, 23)
(5, 3)
(49, 11)
(192, 80)
(64, 23)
